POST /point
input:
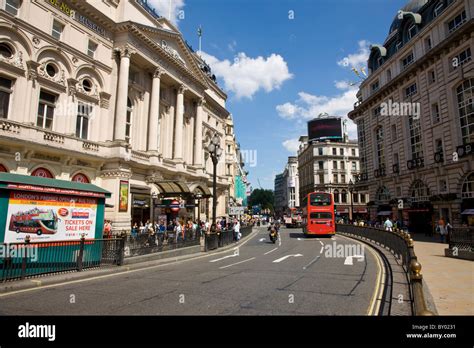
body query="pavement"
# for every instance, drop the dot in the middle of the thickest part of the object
(450, 280)
(295, 276)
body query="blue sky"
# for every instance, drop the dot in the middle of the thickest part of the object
(282, 62)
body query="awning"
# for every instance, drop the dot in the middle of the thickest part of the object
(203, 190)
(384, 213)
(172, 187)
(360, 210)
(468, 212)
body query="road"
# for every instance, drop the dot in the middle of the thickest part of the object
(295, 276)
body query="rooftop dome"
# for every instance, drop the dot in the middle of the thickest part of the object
(411, 6)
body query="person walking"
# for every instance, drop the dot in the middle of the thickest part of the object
(237, 233)
(388, 224)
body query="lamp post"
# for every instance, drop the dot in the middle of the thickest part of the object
(198, 197)
(351, 189)
(215, 151)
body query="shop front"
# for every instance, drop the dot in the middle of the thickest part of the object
(141, 204)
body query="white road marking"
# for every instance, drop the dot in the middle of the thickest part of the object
(262, 239)
(321, 251)
(236, 253)
(348, 260)
(270, 251)
(321, 243)
(237, 263)
(285, 257)
(279, 241)
(308, 240)
(309, 264)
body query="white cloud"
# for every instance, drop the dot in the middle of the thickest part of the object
(359, 59)
(245, 76)
(231, 46)
(309, 106)
(163, 8)
(291, 145)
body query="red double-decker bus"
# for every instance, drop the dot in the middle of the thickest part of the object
(318, 214)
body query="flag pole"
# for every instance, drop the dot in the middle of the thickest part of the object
(169, 13)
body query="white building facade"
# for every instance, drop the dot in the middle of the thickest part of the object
(108, 92)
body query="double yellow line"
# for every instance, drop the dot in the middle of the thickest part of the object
(376, 301)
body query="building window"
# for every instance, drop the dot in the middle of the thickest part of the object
(431, 76)
(435, 112)
(5, 50)
(438, 9)
(457, 21)
(443, 186)
(353, 152)
(128, 124)
(354, 166)
(394, 132)
(343, 178)
(376, 112)
(428, 44)
(410, 90)
(57, 30)
(5, 92)
(321, 178)
(91, 48)
(321, 165)
(399, 45)
(395, 158)
(382, 194)
(355, 197)
(84, 112)
(412, 30)
(407, 60)
(375, 86)
(12, 6)
(380, 147)
(362, 144)
(461, 58)
(344, 196)
(334, 151)
(389, 74)
(362, 198)
(335, 179)
(465, 96)
(320, 151)
(341, 152)
(414, 125)
(334, 164)
(336, 196)
(343, 165)
(47, 104)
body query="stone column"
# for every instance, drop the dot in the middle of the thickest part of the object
(198, 134)
(122, 93)
(178, 130)
(153, 124)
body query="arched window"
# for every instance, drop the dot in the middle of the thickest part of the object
(380, 147)
(42, 173)
(336, 196)
(465, 98)
(81, 178)
(420, 191)
(382, 194)
(468, 187)
(128, 124)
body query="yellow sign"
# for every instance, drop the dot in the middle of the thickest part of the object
(62, 6)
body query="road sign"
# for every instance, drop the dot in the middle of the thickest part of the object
(236, 210)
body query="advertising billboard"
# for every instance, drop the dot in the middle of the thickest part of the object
(325, 128)
(49, 217)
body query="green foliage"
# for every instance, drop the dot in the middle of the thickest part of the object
(265, 198)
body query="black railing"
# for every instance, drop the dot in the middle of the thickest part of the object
(401, 246)
(33, 259)
(462, 238)
(143, 244)
(224, 237)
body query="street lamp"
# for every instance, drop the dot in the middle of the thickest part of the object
(198, 197)
(215, 151)
(351, 189)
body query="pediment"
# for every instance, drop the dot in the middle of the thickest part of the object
(175, 47)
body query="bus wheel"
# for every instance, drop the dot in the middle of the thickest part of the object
(39, 232)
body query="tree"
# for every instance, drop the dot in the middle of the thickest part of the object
(264, 198)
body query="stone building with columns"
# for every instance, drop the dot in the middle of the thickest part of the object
(110, 93)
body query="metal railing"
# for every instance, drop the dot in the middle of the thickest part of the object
(27, 259)
(401, 246)
(225, 237)
(144, 243)
(462, 238)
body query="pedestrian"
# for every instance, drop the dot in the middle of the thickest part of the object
(237, 233)
(134, 230)
(441, 229)
(388, 224)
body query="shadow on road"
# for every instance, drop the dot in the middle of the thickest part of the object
(301, 235)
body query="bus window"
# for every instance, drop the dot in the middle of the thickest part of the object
(320, 199)
(320, 216)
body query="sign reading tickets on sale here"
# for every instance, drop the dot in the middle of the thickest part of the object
(49, 217)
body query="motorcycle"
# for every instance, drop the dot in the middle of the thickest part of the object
(273, 235)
